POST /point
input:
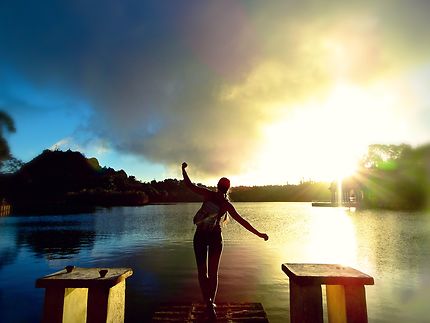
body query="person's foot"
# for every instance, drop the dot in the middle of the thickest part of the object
(210, 309)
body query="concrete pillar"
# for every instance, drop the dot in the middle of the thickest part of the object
(84, 295)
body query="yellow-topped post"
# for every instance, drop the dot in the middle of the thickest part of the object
(346, 297)
(91, 295)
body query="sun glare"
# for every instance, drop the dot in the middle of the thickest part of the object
(324, 140)
(332, 238)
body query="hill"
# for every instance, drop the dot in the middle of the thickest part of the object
(67, 182)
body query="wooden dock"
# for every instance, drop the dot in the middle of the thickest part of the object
(330, 204)
(226, 312)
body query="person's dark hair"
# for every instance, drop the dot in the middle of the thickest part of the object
(223, 186)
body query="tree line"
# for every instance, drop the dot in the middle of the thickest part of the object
(68, 182)
(389, 176)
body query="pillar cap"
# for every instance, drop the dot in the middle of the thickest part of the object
(84, 278)
(325, 274)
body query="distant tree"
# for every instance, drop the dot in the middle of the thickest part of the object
(395, 176)
(6, 125)
(384, 156)
(94, 163)
(10, 165)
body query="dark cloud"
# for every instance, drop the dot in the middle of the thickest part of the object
(194, 80)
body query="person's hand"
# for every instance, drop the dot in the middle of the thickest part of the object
(264, 236)
(184, 165)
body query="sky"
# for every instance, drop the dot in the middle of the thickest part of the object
(263, 92)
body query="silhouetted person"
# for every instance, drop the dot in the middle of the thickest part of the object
(208, 238)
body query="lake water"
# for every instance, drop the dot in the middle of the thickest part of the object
(156, 242)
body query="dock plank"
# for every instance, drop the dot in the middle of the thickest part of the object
(195, 313)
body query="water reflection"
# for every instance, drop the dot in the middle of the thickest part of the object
(395, 247)
(156, 241)
(7, 256)
(56, 244)
(314, 235)
(56, 239)
(332, 238)
(8, 249)
(149, 224)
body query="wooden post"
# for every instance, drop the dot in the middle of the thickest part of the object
(305, 303)
(86, 295)
(106, 304)
(346, 299)
(54, 303)
(355, 301)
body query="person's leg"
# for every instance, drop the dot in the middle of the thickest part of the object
(215, 251)
(200, 252)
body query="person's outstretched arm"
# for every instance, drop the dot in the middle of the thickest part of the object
(191, 186)
(232, 211)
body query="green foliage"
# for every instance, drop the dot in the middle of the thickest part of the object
(396, 177)
(384, 156)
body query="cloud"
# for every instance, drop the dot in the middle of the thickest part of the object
(198, 81)
(89, 147)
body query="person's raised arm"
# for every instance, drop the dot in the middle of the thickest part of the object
(189, 184)
(232, 211)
